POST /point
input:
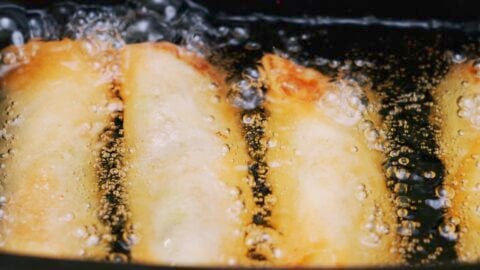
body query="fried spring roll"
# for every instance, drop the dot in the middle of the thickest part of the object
(332, 206)
(457, 101)
(52, 116)
(186, 158)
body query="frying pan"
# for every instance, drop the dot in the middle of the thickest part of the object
(402, 35)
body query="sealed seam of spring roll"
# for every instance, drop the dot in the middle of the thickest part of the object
(457, 115)
(186, 159)
(55, 112)
(332, 206)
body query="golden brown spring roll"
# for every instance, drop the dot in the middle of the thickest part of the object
(186, 159)
(52, 113)
(332, 206)
(457, 115)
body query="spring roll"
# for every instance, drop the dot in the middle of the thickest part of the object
(51, 103)
(186, 159)
(457, 115)
(332, 206)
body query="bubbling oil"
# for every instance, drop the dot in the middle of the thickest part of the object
(403, 69)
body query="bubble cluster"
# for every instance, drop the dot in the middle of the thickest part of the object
(374, 137)
(116, 25)
(376, 227)
(344, 103)
(449, 230)
(247, 93)
(469, 109)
